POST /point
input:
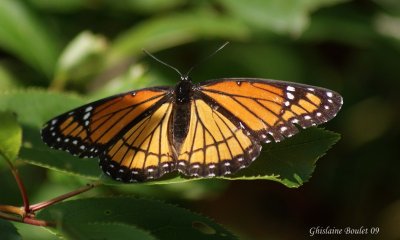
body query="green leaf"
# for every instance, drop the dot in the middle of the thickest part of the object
(150, 217)
(164, 32)
(81, 58)
(59, 5)
(8, 231)
(352, 28)
(112, 230)
(23, 34)
(7, 79)
(34, 107)
(291, 161)
(290, 16)
(144, 6)
(10, 135)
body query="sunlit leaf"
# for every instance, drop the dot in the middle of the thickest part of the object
(34, 107)
(23, 34)
(289, 16)
(163, 32)
(81, 58)
(7, 79)
(144, 6)
(10, 135)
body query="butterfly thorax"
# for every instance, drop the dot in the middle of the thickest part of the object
(181, 112)
(183, 91)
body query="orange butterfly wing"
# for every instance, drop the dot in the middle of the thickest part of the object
(271, 109)
(214, 145)
(143, 150)
(88, 130)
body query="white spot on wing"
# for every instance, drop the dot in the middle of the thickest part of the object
(86, 116)
(88, 109)
(329, 94)
(290, 88)
(289, 95)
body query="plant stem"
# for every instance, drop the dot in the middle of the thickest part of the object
(27, 220)
(21, 186)
(12, 209)
(41, 205)
(27, 212)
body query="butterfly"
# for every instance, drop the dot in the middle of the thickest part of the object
(208, 129)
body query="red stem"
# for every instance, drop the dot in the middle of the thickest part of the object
(21, 186)
(27, 220)
(27, 213)
(41, 205)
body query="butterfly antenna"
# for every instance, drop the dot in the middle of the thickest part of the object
(205, 59)
(164, 63)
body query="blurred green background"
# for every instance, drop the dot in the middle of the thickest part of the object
(93, 49)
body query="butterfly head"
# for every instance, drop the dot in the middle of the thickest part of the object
(186, 78)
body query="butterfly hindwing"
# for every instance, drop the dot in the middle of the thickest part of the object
(86, 131)
(271, 109)
(143, 151)
(214, 145)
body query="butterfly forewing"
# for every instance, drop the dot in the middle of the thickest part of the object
(271, 109)
(86, 131)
